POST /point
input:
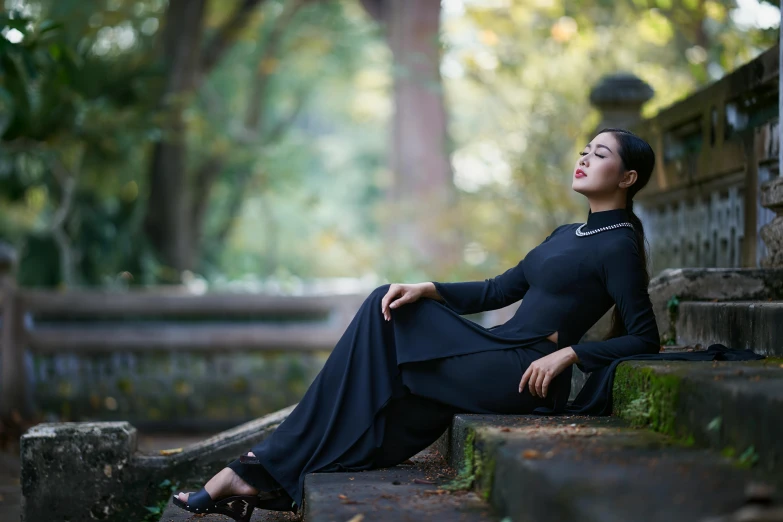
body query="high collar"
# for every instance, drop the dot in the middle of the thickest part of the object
(605, 218)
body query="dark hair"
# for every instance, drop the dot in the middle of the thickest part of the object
(635, 154)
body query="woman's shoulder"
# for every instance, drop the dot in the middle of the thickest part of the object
(619, 244)
(565, 227)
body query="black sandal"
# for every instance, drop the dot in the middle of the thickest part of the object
(238, 507)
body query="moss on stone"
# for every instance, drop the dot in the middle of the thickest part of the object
(466, 476)
(646, 398)
(771, 362)
(484, 464)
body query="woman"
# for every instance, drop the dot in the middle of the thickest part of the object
(406, 364)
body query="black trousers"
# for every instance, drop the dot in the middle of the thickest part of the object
(366, 410)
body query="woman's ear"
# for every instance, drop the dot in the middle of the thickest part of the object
(629, 178)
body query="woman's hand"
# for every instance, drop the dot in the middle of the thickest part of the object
(399, 295)
(541, 371)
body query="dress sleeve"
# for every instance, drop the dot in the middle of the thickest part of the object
(623, 274)
(472, 297)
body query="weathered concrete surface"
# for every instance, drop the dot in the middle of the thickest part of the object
(707, 284)
(734, 406)
(404, 492)
(595, 469)
(771, 197)
(108, 478)
(750, 325)
(76, 471)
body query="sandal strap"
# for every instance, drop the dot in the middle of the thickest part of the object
(200, 499)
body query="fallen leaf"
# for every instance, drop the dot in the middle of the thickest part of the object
(357, 518)
(422, 481)
(341, 496)
(531, 454)
(173, 451)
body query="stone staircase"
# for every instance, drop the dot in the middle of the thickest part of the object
(689, 441)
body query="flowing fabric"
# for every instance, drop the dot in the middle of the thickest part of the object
(344, 419)
(434, 362)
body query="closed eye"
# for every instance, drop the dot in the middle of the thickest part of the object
(583, 153)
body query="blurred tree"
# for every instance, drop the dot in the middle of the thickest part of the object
(517, 76)
(56, 95)
(172, 204)
(283, 139)
(422, 191)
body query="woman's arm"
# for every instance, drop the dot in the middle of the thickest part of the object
(430, 292)
(472, 297)
(623, 274)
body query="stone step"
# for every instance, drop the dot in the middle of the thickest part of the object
(559, 469)
(735, 407)
(752, 325)
(409, 491)
(578, 378)
(404, 492)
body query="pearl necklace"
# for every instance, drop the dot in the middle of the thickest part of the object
(597, 230)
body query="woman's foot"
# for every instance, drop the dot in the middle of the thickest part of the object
(224, 484)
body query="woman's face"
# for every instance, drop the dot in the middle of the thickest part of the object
(599, 169)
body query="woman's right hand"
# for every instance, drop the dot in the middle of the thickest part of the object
(400, 294)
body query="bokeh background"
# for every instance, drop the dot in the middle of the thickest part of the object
(264, 144)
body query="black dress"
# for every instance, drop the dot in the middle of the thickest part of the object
(390, 388)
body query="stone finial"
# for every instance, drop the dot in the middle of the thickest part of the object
(620, 97)
(771, 194)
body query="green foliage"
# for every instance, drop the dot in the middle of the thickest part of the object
(646, 398)
(162, 493)
(299, 194)
(749, 457)
(73, 118)
(518, 78)
(714, 424)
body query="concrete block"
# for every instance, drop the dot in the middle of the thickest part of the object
(76, 471)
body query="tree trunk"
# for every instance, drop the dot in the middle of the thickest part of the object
(167, 223)
(423, 189)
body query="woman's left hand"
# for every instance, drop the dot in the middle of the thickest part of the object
(541, 371)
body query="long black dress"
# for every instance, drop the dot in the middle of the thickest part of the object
(390, 388)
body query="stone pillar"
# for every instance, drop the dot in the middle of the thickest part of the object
(78, 471)
(772, 232)
(771, 195)
(13, 402)
(620, 97)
